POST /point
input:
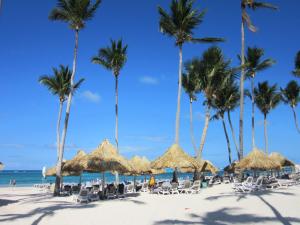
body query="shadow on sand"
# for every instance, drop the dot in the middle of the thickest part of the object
(227, 216)
(232, 216)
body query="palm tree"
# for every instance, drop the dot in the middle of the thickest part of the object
(210, 69)
(266, 98)
(113, 58)
(190, 84)
(180, 23)
(255, 64)
(59, 84)
(254, 5)
(232, 103)
(75, 13)
(291, 96)
(296, 72)
(222, 102)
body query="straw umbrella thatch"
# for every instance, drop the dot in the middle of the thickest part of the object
(77, 164)
(1, 166)
(106, 158)
(174, 158)
(140, 165)
(257, 160)
(204, 166)
(231, 168)
(52, 171)
(275, 156)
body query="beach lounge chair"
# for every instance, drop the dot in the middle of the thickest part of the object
(165, 188)
(82, 196)
(121, 191)
(195, 188)
(258, 185)
(247, 182)
(111, 191)
(186, 186)
(129, 189)
(174, 188)
(144, 187)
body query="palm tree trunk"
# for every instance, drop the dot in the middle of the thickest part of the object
(233, 135)
(116, 131)
(58, 175)
(295, 118)
(192, 127)
(203, 137)
(58, 127)
(266, 134)
(177, 125)
(241, 134)
(253, 114)
(227, 139)
(64, 133)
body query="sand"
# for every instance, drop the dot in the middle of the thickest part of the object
(218, 205)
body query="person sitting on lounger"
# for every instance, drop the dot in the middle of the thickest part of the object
(152, 182)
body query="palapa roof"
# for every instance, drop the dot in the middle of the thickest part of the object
(281, 159)
(140, 165)
(258, 160)
(1, 166)
(205, 166)
(77, 164)
(175, 157)
(231, 168)
(106, 158)
(52, 171)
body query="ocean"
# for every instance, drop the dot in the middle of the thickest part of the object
(29, 177)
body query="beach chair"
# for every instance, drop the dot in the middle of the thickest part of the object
(195, 188)
(111, 191)
(247, 182)
(129, 189)
(165, 188)
(144, 187)
(174, 188)
(186, 186)
(121, 191)
(66, 191)
(82, 196)
(257, 186)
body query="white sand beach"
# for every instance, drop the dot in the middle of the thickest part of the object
(218, 205)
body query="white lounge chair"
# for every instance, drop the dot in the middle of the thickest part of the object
(174, 188)
(129, 189)
(186, 186)
(165, 189)
(82, 196)
(144, 187)
(258, 185)
(195, 188)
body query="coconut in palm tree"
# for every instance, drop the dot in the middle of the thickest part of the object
(113, 58)
(180, 24)
(255, 64)
(60, 84)
(75, 13)
(291, 96)
(245, 20)
(266, 98)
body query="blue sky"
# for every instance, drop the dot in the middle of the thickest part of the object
(31, 45)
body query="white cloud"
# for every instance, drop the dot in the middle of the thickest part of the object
(90, 96)
(148, 80)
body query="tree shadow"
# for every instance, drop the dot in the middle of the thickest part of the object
(227, 216)
(44, 212)
(4, 202)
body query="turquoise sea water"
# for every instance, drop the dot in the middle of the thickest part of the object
(30, 177)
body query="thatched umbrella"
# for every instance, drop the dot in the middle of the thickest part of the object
(52, 171)
(106, 158)
(77, 164)
(257, 160)
(275, 156)
(231, 168)
(174, 158)
(140, 165)
(203, 166)
(1, 166)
